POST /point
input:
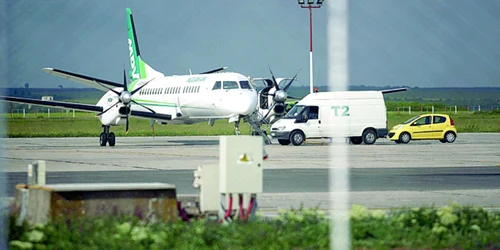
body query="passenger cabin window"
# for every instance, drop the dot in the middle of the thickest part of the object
(217, 85)
(230, 85)
(423, 121)
(245, 85)
(439, 119)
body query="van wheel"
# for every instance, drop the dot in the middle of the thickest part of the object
(284, 142)
(356, 140)
(404, 137)
(450, 137)
(369, 137)
(297, 138)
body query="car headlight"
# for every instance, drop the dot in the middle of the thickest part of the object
(398, 127)
(281, 128)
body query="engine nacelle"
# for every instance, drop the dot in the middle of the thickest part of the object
(124, 110)
(272, 103)
(112, 117)
(279, 109)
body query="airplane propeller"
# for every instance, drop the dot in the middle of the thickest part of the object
(125, 97)
(281, 94)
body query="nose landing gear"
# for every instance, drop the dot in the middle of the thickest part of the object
(107, 137)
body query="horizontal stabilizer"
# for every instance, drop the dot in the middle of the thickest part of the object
(87, 80)
(388, 91)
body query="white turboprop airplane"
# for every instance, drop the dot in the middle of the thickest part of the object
(178, 99)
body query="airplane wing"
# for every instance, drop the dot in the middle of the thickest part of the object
(68, 105)
(82, 107)
(388, 91)
(87, 80)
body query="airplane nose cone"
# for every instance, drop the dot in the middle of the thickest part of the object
(247, 103)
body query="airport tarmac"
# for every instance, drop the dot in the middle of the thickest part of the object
(177, 153)
(421, 172)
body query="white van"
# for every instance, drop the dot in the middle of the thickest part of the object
(358, 115)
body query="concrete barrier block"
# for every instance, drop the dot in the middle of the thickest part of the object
(146, 201)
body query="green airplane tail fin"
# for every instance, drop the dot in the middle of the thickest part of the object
(138, 68)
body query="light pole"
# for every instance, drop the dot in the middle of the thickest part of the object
(310, 5)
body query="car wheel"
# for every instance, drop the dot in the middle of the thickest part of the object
(397, 141)
(369, 136)
(297, 138)
(443, 141)
(284, 142)
(404, 137)
(450, 137)
(356, 140)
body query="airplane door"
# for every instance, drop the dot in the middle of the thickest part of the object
(217, 96)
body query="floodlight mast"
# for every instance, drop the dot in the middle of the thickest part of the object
(310, 5)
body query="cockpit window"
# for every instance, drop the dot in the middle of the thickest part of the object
(230, 85)
(245, 85)
(217, 85)
(294, 112)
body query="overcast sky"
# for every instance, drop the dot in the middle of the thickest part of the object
(427, 43)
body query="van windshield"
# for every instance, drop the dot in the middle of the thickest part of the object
(294, 112)
(411, 119)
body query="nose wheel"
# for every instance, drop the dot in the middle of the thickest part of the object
(107, 137)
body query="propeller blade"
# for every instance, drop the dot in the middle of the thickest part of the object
(108, 108)
(274, 79)
(290, 83)
(269, 111)
(116, 92)
(144, 107)
(135, 90)
(125, 80)
(126, 125)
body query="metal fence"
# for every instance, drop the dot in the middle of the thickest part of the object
(443, 109)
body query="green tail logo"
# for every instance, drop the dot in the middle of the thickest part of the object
(134, 61)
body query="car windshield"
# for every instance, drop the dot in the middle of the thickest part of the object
(294, 112)
(411, 119)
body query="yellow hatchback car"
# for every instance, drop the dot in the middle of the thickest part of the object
(425, 127)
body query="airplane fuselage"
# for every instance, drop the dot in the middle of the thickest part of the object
(190, 98)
